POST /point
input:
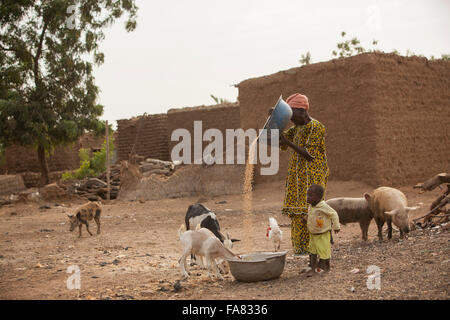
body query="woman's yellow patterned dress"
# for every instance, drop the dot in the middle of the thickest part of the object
(301, 174)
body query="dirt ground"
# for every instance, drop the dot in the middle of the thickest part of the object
(135, 256)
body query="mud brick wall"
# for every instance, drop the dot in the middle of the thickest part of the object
(189, 181)
(148, 135)
(221, 117)
(20, 159)
(384, 115)
(10, 184)
(32, 179)
(412, 118)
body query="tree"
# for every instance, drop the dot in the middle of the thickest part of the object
(48, 96)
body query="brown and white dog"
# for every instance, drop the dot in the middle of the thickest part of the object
(85, 213)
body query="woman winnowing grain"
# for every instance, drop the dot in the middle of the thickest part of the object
(307, 166)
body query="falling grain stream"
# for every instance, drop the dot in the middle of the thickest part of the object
(248, 198)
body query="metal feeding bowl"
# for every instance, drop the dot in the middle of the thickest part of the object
(258, 266)
(278, 120)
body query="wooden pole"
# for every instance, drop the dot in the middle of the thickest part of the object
(108, 170)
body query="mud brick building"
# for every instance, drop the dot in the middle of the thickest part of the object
(221, 117)
(147, 134)
(386, 116)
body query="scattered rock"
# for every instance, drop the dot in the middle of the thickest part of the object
(352, 289)
(177, 286)
(221, 202)
(162, 288)
(44, 207)
(355, 270)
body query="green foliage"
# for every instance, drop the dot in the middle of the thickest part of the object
(351, 47)
(219, 100)
(90, 166)
(48, 95)
(348, 48)
(445, 56)
(305, 59)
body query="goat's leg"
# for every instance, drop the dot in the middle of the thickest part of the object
(208, 262)
(216, 269)
(182, 262)
(193, 260)
(79, 227)
(200, 262)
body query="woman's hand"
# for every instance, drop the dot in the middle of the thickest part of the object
(283, 140)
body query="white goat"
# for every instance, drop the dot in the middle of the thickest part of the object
(227, 243)
(202, 244)
(274, 233)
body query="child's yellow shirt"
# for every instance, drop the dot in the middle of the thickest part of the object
(321, 218)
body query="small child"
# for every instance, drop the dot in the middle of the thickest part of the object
(321, 218)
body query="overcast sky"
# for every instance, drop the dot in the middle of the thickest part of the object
(183, 51)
